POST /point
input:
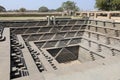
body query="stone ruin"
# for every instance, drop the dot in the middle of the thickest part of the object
(60, 49)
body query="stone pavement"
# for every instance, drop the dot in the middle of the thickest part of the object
(5, 56)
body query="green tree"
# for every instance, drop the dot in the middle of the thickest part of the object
(108, 5)
(60, 9)
(70, 5)
(2, 9)
(22, 9)
(43, 9)
(115, 5)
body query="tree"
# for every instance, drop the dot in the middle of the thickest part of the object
(102, 5)
(22, 9)
(115, 5)
(69, 5)
(2, 9)
(60, 9)
(43, 9)
(108, 5)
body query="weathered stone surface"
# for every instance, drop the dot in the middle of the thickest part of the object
(67, 49)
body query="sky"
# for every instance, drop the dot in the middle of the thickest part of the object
(51, 4)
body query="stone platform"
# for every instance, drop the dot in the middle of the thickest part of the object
(64, 49)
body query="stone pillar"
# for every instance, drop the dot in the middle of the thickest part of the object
(54, 20)
(88, 14)
(109, 15)
(95, 15)
(80, 14)
(63, 13)
(48, 19)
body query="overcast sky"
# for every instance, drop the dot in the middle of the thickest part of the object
(51, 4)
